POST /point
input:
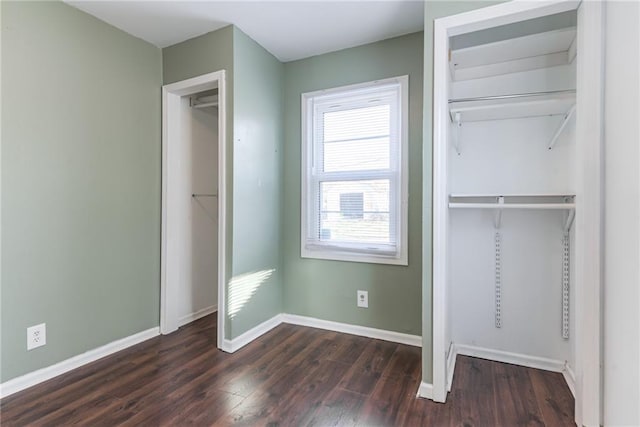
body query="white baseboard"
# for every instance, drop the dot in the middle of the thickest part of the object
(230, 346)
(570, 378)
(425, 390)
(513, 358)
(197, 315)
(233, 345)
(507, 357)
(451, 364)
(363, 331)
(32, 378)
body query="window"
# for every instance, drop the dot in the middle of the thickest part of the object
(354, 172)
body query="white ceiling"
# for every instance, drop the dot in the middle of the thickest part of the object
(290, 30)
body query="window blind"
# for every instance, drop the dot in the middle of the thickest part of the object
(353, 173)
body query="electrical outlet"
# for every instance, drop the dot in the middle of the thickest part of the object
(36, 336)
(363, 299)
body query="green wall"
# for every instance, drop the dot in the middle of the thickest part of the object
(80, 183)
(254, 171)
(204, 54)
(432, 10)
(327, 289)
(257, 184)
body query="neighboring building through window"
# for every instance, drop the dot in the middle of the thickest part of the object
(354, 172)
(352, 205)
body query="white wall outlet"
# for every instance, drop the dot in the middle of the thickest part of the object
(363, 299)
(36, 336)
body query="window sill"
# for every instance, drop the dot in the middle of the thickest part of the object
(335, 255)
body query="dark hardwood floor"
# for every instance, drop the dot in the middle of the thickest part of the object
(294, 376)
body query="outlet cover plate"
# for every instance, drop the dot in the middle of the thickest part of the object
(363, 299)
(36, 336)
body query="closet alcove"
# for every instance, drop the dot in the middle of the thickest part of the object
(510, 176)
(197, 295)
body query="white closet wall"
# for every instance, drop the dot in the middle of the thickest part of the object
(199, 270)
(501, 157)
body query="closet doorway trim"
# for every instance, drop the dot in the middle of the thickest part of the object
(589, 127)
(171, 95)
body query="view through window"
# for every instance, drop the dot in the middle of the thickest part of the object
(354, 179)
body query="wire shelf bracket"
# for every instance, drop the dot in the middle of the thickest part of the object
(569, 217)
(558, 132)
(497, 216)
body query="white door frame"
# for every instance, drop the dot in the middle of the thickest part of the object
(171, 177)
(588, 222)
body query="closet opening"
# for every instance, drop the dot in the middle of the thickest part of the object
(198, 293)
(513, 206)
(193, 203)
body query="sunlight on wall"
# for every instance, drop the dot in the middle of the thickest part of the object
(243, 287)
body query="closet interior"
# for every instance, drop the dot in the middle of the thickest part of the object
(198, 293)
(511, 193)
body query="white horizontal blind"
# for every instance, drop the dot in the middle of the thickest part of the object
(353, 176)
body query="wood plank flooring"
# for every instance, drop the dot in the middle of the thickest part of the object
(291, 376)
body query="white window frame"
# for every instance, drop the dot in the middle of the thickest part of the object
(311, 247)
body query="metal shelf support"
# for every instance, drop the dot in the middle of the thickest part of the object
(565, 285)
(571, 214)
(565, 120)
(497, 218)
(498, 279)
(456, 133)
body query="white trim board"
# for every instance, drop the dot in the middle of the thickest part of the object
(41, 375)
(570, 378)
(230, 346)
(235, 344)
(451, 365)
(363, 331)
(425, 390)
(589, 224)
(544, 363)
(171, 177)
(589, 259)
(197, 315)
(536, 362)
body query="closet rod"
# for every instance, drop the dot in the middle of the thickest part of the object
(517, 95)
(206, 104)
(203, 195)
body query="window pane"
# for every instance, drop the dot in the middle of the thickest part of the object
(356, 155)
(357, 123)
(355, 211)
